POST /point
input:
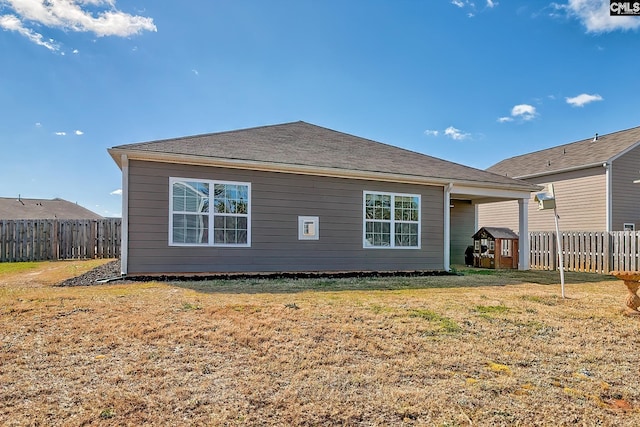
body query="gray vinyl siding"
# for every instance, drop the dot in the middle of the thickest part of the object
(581, 204)
(462, 228)
(625, 195)
(277, 199)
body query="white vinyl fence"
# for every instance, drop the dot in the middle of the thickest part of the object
(587, 251)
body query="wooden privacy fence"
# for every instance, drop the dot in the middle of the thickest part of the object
(39, 240)
(588, 251)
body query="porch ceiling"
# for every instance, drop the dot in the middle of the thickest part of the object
(479, 195)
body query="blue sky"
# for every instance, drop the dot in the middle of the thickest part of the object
(469, 82)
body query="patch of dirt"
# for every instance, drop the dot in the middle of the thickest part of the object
(110, 270)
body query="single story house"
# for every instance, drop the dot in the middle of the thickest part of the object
(297, 197)
(18, 208)
(593, 181)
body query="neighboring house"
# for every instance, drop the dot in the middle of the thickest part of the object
(13, 208)
(593, 180)
(296, 197)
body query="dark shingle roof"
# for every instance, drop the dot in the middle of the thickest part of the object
(496, 233)
(307, 145)
(569, 156)
(20, 208)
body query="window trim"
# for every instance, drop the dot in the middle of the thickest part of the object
(392, 222)
(210, 215)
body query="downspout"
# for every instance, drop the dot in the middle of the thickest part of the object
(124, 244)
(608, 203)
(447, 226)
(476, 213)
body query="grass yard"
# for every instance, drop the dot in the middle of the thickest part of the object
(487, 348)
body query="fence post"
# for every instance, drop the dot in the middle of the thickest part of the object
(607, 252)
(3, 234)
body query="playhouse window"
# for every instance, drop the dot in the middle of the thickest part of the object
(506, 247)
(209, 213)
(391, 220)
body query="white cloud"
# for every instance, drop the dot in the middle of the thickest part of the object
(456, 134)
(75, 51)
(583, 99)
(79, 132)
(38, 124)
(472, 6)
(61, 133)
(594, 15)
(524, 111)
(71, 15)
(196, 72)
(117, 192)
(12, 23)
(450, 132)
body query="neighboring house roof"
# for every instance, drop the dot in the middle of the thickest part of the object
(495, 233)
(300, 147)
(582, 154)
(20, 208)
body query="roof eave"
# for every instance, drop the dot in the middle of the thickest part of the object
(623, 152)
(580, 167)
(116, 154)
(563, 170)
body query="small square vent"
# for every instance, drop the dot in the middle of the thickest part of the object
(308, 228)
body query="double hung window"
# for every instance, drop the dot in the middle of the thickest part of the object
(391, 220)
(209, 213)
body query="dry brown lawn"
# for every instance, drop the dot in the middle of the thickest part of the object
(482, 349)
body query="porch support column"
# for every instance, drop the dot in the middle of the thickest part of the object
(447, 227)
(523, 241)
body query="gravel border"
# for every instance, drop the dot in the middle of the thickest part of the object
(111, 273)
(110, 270)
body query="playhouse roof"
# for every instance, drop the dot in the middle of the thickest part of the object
(495, 233)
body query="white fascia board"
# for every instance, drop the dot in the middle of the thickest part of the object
(184, 159)
(461, 190)
(557, 171)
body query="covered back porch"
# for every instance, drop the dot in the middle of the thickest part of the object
(461, 220)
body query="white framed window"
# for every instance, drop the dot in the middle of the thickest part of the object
(391, 220)
(505, 249)
(629, 226)
(308, 228)
(209, 213)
